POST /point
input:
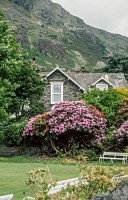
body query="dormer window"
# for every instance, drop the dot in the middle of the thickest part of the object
(56, 92)
(102, 86)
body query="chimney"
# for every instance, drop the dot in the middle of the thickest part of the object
(106, 77)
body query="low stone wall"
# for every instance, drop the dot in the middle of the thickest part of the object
(11, 151)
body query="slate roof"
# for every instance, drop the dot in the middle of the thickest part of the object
(86, 80)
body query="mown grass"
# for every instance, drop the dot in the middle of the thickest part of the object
(13, 173)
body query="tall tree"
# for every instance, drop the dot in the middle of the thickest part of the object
(20, 83)
(117, 64)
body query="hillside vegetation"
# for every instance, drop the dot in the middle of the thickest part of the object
(54, 37)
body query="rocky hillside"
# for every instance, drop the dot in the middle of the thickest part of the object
(54, 37)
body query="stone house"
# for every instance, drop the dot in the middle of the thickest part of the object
(67, 86)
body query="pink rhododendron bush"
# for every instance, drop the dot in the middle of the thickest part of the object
(35, 126)
(122, 114)
(70, 122)
(121, 134)
(34, 129)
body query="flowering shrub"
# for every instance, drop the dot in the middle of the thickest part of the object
(70, 124)
(68, 117)
(122, 114)
(40, 124)
(95, 111)
(121, 134)
(123, 91)
(35, 126)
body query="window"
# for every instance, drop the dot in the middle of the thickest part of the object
(56, 92)
(102, 86)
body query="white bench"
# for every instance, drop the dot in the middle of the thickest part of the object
(114, 156)
(6, 197)
(60, 185)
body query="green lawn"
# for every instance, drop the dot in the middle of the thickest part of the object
(14, 175)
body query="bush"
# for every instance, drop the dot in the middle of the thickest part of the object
(75, 116)
(121, 135)
(123, 91)
(106, 101)
(34, 133)
(122, 113)
(91, 154)
(35, 126)
(77, 123)
(11, 133)
(109, 144)
(69, 124)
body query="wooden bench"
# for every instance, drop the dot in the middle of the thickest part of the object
(114, 156)
(6, 197)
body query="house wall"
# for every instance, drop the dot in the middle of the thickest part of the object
(70, 90)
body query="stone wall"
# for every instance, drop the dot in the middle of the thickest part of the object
(70, 90)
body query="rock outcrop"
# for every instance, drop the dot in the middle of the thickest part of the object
(119, 193)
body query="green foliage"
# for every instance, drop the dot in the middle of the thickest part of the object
(117, 64)
(126, 149)
(72, 154)
(111, 103)
(20, 84)
(28, 94)
(10, 133)
(109, 143)
(36, 179)
(106, 101)
(113, 65)
(9, 61)
(93, 180)
(92, 154)
(122, 114)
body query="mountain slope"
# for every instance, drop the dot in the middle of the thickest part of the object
(53, 36)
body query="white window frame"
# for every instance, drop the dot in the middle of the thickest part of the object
(102, 84)
(61, 94)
